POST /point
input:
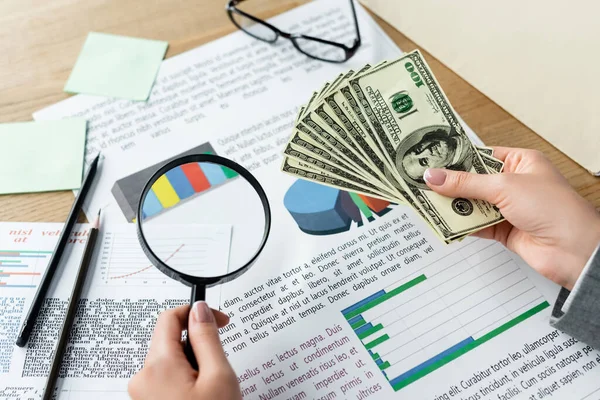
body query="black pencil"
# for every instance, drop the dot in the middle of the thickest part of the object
(71, 310)
(40, 295)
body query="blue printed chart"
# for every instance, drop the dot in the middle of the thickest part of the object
(323, 210)
(22, 268)
(443, 310)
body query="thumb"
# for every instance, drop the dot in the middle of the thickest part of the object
(464, 184)
(204, 337)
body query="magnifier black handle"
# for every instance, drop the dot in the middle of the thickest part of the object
(198, 293)
(189, 353)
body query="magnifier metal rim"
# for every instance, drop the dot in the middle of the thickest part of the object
(191, 280)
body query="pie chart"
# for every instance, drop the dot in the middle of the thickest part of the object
(322, 210)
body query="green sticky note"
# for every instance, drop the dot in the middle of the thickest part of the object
(116, 66)
(41, 156)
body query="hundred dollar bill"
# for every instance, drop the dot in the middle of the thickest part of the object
(300, 170)
(318, 146)
(328, 113)
(493, 165)
(338, 155)
(317, 96)
(312, 145)
(334, 112)
(333, 134)
(318, 103)
(417, 129)
(337, 147)
(334, 85)
(302, 148)
(485, 150)
(363, 141)
(349, 103)
(339, 141)
(298, 150)
(346, 99)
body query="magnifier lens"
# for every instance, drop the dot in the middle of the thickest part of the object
(203, 220)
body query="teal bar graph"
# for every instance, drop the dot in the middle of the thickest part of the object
(441, 360)
(428, 320)
(385, 296)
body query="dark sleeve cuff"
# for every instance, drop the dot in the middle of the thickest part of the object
(577, 313)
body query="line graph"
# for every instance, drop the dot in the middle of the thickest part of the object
(122, 261)
(132, 273)
(145, 268)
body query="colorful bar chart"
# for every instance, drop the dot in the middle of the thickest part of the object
(196, 177)
(178, 184)
(19, 269)
(442, 311)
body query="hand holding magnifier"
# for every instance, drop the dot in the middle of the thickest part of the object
(183, 209)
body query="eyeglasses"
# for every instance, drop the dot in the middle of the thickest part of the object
(319, 49)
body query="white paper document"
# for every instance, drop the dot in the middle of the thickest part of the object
(374, 307)
(379, 310)
(123, 295)
(235, 77)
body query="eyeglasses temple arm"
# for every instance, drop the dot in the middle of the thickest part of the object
(358, 39)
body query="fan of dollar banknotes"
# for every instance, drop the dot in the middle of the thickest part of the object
(374, 131)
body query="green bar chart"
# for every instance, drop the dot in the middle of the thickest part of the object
(435, 315)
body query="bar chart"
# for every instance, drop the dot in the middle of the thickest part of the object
(443, 310)
(183, 182)
(176, 185)
(22, 269)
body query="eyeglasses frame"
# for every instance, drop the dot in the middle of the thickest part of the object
(348, 51)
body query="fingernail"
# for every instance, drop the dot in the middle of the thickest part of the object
(202, 312)
(436, 177)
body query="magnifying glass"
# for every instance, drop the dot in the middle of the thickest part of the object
(202, 220)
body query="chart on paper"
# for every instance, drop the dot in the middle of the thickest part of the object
(22, 268)
(178, 184)
(123, 262)
(441, 312)
(26, 250)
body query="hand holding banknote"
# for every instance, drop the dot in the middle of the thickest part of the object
(376, 130)
(547, 223)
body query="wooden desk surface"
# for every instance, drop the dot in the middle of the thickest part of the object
(41, 41)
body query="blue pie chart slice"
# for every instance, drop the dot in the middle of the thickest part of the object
(319, 209)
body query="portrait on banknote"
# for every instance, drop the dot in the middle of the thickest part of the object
(436, 146)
